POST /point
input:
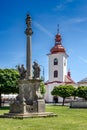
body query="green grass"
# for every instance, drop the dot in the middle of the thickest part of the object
(67, 119)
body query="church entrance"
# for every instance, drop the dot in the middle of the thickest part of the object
(55, 99)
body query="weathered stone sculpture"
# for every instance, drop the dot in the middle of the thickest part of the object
(36, 70)
(22, 71)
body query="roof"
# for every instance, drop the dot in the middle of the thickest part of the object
(47, 82)
(68, 80)
(83, 80)
(58, 45)
(57, 48)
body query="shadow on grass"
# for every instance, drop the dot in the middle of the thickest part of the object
(4, 108)
(58, 104)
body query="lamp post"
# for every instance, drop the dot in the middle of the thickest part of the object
(43, 72)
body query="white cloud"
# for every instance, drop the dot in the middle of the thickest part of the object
(70, 51)
(59, 7)
(62, 5)
(83, 59)
(13, 59)
(43, 29)
(72, 21)
(77, 20)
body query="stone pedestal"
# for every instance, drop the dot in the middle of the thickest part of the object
(29, 99)
(17, 108)
(40, 105)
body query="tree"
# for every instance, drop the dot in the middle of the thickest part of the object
(8, 81)
(74, 93)
(82, 92)
(42, 88)
(55, 91)
(63, 91)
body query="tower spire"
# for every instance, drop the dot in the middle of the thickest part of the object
(58, 36)
(57, 28)
(69, 73)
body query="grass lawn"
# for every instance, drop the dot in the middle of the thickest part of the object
(67, 119)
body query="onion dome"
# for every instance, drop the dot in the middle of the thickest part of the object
(58, 45)
(58, 38)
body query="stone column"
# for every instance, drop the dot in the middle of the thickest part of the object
(28, 33)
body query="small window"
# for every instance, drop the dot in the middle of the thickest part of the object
(55, 61)
(64, 62)
(55, 74)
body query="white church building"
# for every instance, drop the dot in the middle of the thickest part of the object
(58, 74)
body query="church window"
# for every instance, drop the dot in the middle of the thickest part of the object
(55, 74)
(55, 61)
(64, 62)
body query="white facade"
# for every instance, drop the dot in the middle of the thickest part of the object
(61, 67)
(49, 88)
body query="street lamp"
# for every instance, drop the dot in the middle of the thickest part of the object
(42, 72)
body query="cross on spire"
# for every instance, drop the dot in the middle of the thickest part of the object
(58, 29)
(58, 36)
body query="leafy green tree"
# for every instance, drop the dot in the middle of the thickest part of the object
(82, 92)
(55, 91)
(42, 88)
(74, 93)
(8, 81)
(63, 91)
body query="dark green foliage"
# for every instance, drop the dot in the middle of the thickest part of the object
(8, 81)
(42, 88)
(82, 92)
(55, 91)
(63, 91)
(74, 93)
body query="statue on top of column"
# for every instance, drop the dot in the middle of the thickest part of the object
(28, 23)
(36, 70)
(22, 71)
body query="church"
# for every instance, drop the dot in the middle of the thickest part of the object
(58, 74)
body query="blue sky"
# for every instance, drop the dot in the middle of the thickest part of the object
(71, 15)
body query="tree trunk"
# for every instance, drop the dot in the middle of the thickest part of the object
(74, 97)
(63, 101)
(0, 100)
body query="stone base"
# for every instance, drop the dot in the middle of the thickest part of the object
(40, 105)
(37, 106)
(27, 115)
(29, 99)
(78, 104)
(17, 108)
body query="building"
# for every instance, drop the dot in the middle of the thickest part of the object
(57, 69)
(82, 82)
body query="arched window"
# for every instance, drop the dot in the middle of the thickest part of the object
(55, 61)
(55, 74)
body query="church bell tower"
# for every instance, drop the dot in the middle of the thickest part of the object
(57, 61)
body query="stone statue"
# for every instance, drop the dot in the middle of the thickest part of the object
(36, 70)
(22, 71)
